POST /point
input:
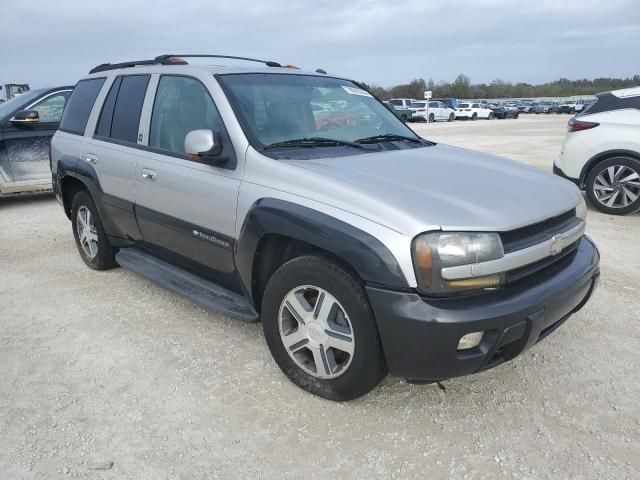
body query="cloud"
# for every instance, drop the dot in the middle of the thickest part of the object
(378, 42)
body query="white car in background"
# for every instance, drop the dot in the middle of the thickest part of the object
(437, 111)
(473, 111)
(601, 152)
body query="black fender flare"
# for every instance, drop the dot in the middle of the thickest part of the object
(369, 257)
(603, 156)
(69, 166)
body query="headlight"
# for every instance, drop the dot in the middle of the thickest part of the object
(434, 251)
(581, 209)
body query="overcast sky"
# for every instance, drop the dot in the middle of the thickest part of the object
(48, 43)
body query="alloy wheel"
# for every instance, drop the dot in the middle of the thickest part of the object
(87, 232)
(617, 186)
(316, 332)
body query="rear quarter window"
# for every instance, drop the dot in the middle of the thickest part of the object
(76, 114)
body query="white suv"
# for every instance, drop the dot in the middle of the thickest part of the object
(474, 111)
(437, 111)
(601, 152)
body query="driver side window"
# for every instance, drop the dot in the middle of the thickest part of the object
(50, 109)
(182, 104)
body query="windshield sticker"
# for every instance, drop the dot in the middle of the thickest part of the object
(356, 91)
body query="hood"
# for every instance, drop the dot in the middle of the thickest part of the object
(441, 186)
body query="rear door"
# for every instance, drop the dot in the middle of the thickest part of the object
(186, 209)
(113, 151)
(27, 143)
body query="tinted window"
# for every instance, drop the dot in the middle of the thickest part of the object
(104, 122)
(76, 114)
(182, 104)
(50, 109)
(126, 113)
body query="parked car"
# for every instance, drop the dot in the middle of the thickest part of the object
(437, 111)
(546, 107)
(450, 102)
(525, 107)
(363, 249)
(404, 114)
(402, 102)
(473, 111)
(571, 106)
(501, 111)
(27, 123)
(601, 152)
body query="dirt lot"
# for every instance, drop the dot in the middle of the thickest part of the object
(105, 375)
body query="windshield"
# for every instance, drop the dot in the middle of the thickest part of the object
(16, 102)
(278, 108)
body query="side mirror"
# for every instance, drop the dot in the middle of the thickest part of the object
(26, 116)
(204, 146)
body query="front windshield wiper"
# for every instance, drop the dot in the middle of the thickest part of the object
(311, 142)
(389, 137)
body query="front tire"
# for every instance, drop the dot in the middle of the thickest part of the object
(613, 186)
(474, 116)
(451, 117)
(320, 329)
(432, 118)
(490, 117)
(91, 240)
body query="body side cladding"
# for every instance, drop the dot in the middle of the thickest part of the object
(371, 259)
(603, 156)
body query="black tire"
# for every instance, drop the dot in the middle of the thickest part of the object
(491, 116)
(451, 117)
(105, 257)
(629, 162)
(403, 118)
(516, 115)
(474, 116)
(572, 111)
(432, 118)
(367, 366)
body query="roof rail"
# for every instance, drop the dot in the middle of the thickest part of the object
(113, 66)
(268, 63)
(173, 60)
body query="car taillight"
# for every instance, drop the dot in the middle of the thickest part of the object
(578, 125)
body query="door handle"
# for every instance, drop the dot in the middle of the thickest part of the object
(90, 158)
(148, 174)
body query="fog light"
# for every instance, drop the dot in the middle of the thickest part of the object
(470, 340)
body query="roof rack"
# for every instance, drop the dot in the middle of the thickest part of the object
(173, 60)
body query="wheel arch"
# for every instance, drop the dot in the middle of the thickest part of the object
(601, 157)
(274, 231)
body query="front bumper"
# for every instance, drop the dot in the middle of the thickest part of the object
(420, 336)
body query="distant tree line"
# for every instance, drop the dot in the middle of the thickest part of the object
(462, 87)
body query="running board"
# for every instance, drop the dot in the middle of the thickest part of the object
(200, 291)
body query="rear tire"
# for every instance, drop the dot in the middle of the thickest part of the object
(451, 117)
(474, 116)
(608, 194)
(300, 284)
(432, 118)
(91, 240)
(490, 117)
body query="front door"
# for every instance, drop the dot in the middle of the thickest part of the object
(186, 209)
(27, 143)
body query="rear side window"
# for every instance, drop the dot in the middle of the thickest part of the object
(103, 129)
(78, 109)
(128, 107)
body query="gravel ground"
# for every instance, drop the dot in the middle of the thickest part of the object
(105, 375)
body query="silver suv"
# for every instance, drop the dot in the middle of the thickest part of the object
(298, 199)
